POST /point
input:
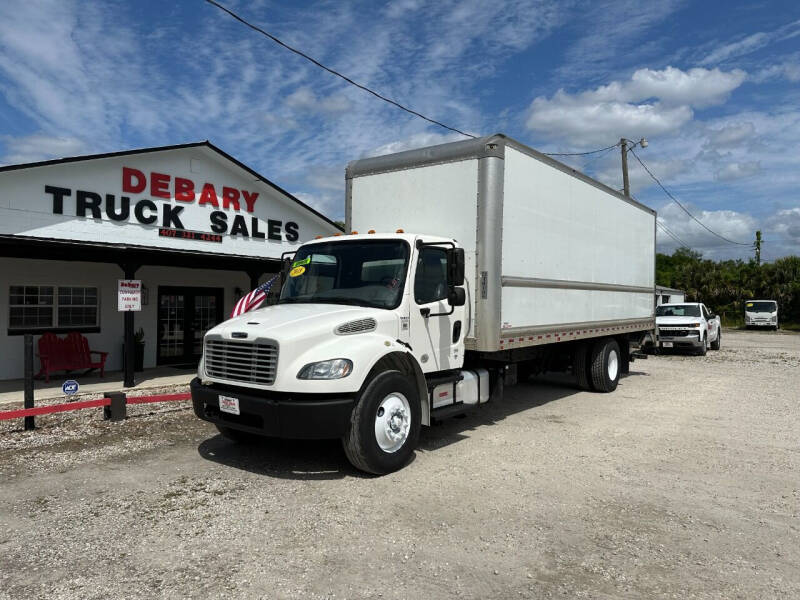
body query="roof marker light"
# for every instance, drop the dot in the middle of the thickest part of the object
(371, 231)
(336, 234)
(319, 237)
(354, 232)
(399, 231)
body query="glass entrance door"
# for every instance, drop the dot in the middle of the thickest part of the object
(184, 316)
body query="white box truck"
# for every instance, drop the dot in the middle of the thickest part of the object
(470, 265)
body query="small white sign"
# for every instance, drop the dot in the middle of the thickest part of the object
(129, 295)
(229, 405)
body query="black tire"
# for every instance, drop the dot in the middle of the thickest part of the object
(717, 342)
(360, 444)
(704, 348)
(581, 366)
(240, 437)
(603, 352)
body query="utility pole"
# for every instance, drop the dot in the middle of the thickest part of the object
(626, 186)
(758, 247)
(623, 146)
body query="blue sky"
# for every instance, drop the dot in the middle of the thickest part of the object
(714, 86)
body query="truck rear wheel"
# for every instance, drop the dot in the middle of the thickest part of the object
(581, 366)
(605, 365)
(716, 343)
(384, 426)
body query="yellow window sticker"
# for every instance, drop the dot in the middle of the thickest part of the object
(749, 304)
(297, 271)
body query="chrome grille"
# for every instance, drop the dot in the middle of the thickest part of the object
(359, 326)
(676, 332)
(247, 362)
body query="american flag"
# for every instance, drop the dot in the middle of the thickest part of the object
(254, 299)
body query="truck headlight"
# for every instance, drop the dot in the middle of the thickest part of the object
(336, 368)
(695, 325)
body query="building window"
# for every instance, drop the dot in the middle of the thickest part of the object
(77, 307)
(30, 307)
(49, 307)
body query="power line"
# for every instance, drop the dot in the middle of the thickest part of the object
(579, 153)
(675, 200)
(671, 234)
(334, 72)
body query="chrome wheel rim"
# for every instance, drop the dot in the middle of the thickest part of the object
(392, 422)
(613, 365)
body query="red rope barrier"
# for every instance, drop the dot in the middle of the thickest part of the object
(162, 398)
(55, 408)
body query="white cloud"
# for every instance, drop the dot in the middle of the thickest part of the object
(788, 69)
(649, 103)
(736, 226)
(738, 170)
(751, 43)
(33, 148)
(418, 140)
(304, 99)
(731, 134)
(613, 33)
(786, 222)
(696, 87)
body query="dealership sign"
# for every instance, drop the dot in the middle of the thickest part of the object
(180, 198)
(231, 202)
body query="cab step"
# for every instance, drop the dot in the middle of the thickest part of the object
(451, 410)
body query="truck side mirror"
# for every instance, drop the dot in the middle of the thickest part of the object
(455, 268)
(457, 296)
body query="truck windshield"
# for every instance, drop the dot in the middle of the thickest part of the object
(678, 310)
(759, 307)
(361, 273)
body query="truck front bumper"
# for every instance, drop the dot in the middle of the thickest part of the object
(681, 341)
(303, 416)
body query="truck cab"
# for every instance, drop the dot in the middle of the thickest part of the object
(688, 326)
(362, 326)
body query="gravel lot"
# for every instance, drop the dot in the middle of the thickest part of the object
(684, 483)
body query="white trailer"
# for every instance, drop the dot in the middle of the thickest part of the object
(475, 263)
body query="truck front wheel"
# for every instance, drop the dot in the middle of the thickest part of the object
(605, 363)
(384, 426)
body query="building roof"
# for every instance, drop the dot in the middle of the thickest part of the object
(663, 288)
(204, 144)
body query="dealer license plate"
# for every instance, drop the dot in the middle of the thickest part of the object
(665, 344)
(229, 405)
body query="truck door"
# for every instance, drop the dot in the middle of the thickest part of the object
(432, 337)
(711, 325)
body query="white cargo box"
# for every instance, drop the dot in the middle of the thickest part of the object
(551, 254)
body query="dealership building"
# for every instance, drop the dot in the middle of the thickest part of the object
(197, 227)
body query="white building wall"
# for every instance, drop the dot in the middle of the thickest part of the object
(14, 271)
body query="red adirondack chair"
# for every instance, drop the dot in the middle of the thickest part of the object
(68, 354)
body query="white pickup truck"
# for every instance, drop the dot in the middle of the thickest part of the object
(689, 325)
